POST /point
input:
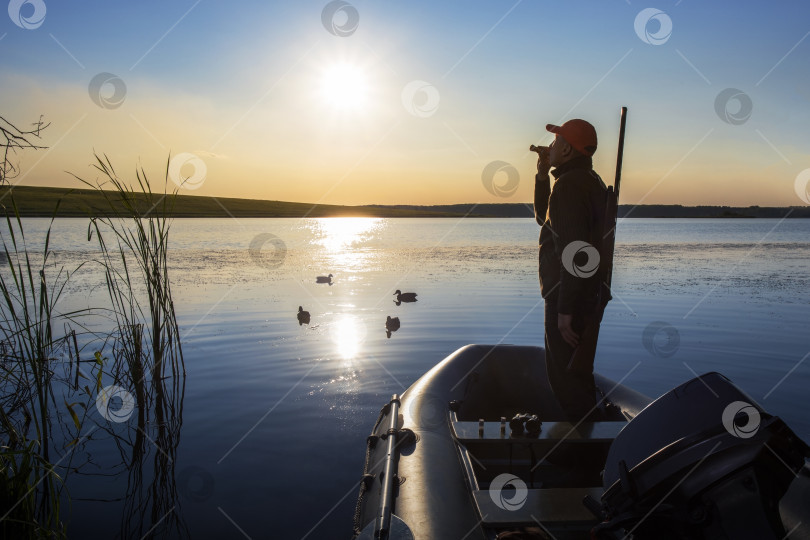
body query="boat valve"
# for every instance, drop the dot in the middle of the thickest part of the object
(516, 424)
(531, 423)
(533, 426)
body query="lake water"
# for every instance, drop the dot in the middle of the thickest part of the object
(275, 414)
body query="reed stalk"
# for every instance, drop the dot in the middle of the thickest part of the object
(147, 353)
(39, 428)
(31, 480)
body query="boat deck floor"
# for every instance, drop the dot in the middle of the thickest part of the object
(547, 474)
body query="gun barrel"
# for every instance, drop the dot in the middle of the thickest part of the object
(612, 213)
(620, 153)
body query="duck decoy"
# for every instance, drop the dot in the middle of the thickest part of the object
(405, 297)
(324, 279)
(303, 316)
(391, 325)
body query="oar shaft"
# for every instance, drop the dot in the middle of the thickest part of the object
(384, 518)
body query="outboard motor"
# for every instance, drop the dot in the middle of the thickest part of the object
(704, 461)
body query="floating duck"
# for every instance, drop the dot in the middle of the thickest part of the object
(391, 325)
(303, 316)
(405, 297)
(324, 279)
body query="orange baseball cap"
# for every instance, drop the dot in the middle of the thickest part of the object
(579, 134)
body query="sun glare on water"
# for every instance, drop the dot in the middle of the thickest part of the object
(345, 86)
(348, 334)
(342, 234)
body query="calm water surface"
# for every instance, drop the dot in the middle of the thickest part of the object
(275, 414)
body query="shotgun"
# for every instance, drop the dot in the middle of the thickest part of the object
(611, 217)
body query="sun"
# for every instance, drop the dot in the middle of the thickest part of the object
(344, 86)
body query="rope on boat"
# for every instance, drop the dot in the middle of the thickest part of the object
(367, 479)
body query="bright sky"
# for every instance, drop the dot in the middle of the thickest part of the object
(411, 102)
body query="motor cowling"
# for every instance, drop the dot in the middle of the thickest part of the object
(702, 461)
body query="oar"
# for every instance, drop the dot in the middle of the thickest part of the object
(384, 516)
(387, 525)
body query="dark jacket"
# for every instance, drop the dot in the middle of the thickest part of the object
(573, 210)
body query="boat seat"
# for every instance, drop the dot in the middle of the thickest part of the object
(543, 505)
(583, 433)
(560, 456)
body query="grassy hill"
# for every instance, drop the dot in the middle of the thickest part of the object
(42, 201)
(625, 210)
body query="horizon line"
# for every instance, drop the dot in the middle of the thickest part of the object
(479, 203)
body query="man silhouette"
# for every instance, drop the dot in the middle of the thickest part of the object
(571, 217)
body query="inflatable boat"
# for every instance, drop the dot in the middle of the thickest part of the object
(478, 449)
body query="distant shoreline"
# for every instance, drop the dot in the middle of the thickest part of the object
(42, 201)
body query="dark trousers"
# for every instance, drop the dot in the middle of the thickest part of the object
(570, 370)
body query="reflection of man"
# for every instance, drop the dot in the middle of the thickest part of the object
(570, 215)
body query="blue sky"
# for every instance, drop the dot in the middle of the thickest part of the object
(244, 95)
